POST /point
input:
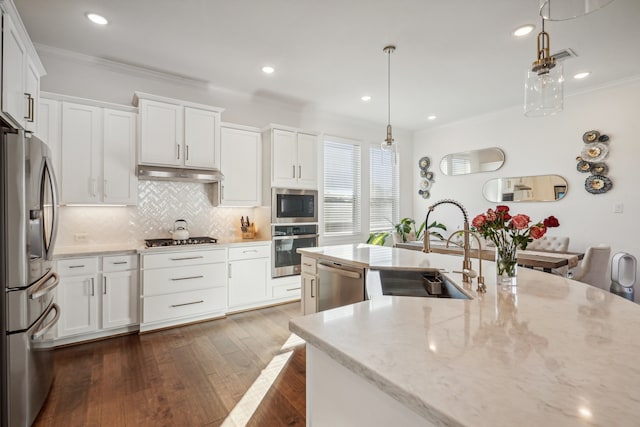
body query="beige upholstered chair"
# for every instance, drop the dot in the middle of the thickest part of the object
(550, 243)
(594, 268)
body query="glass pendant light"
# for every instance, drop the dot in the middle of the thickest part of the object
(388, 143)
(568, 9)
(543, 88)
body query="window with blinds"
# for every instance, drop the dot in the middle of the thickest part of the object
(342, 188)
(384, 208)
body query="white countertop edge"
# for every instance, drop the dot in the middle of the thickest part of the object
(410, 400)
(128, 249)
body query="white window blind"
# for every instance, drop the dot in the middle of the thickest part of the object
(342, 188)
(384, 208)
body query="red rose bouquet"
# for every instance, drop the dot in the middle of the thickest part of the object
(509, 233)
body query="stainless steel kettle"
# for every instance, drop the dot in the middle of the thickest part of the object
(180, 231)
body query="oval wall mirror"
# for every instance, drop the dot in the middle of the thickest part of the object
(474, 161)
(541, 188)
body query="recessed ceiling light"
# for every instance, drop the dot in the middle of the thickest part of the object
(268, 70)
(97, 19)
(432, 117)
(366, 98)
(523, 30)
(582, 75)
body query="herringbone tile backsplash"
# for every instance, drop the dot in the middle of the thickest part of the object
(159, 205)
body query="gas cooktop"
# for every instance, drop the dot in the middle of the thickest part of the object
(157, 243)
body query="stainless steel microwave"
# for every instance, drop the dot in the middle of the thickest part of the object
(289, 205)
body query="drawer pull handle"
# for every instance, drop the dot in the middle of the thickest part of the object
(185, 258)
(293, 289)
(187, 303)
(76, 266)
(188, 278)
(120, 262)
(252, 250)
(308, 265)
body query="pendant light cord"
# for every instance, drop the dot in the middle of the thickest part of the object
(389, 86)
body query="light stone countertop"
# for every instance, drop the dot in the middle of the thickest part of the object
(550, 351)
(88, 250)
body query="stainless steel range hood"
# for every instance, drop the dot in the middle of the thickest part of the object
(161, 173)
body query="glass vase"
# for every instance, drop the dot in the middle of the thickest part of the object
(506, 265)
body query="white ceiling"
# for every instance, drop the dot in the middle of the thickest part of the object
(454, 58)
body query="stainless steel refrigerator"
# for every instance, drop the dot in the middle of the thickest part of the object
(28, 219)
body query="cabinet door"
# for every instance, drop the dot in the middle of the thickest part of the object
(80, 153)
(240, 162)
(119, 184)
(248, 281)
(161, 133)
(49, 129)
(14, 101)
(32, 93)
(309, 292)
(307, 161)
(284, 169)
(77, 297)
(120, 299)
(200, 138)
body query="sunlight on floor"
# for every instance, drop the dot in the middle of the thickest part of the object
(244, 410)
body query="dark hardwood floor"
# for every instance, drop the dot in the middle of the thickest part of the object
(189, 376)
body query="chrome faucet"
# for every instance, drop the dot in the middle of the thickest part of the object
(466, 262)
(481, 286)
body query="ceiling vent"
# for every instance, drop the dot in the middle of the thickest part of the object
(564, 54)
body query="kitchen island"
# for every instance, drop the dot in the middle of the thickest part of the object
(550, 351)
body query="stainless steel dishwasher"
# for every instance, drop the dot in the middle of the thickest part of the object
(339, 285)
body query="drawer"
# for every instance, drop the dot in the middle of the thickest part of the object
(287, 290)
(249, 252)
(177, 259)
(78, 266)
(183, 304)
(309, 265)
(119, 263)
(180, 279)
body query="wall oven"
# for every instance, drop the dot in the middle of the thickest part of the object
(287, 239)
(293, 206)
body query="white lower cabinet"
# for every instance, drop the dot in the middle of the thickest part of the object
(249, 268)
(97, 295)
(309, 285)
(182, 286)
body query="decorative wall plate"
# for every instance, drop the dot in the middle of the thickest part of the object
(590, 136)
(599, 169)
(424, 193)
(425, 184)
(583, 166)
(603, 138)
(595, 152)
(597, 184)
(424, 163)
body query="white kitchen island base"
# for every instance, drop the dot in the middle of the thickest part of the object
(338, 397)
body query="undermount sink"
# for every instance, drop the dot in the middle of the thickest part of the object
(425, 284)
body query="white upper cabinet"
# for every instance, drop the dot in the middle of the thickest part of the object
(241, 164)
(21, 71)
(96, 150)
(176, 133)
(161, 133)
(293, 158)
(200, 128)
(120, 185)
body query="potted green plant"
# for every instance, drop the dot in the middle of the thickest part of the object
(406, 230)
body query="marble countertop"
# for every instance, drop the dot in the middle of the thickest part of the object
(550, 351)
(63, 252)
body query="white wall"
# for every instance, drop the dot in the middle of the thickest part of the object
(549, 145)
(78, 75)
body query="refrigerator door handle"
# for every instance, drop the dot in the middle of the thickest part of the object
(41, 288)
(53, 233)
(45, 328)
